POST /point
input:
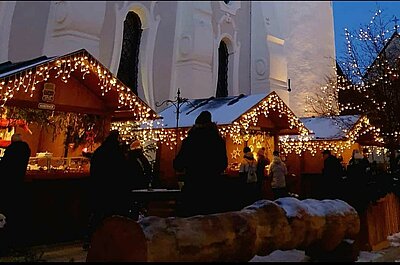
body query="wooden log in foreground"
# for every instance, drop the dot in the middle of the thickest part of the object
(258, 229)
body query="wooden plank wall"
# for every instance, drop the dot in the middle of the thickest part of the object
(382, 220)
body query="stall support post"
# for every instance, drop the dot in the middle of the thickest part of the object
(276, 141)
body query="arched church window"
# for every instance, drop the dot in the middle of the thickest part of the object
(222, 85)
(128, 65)
(226, 1)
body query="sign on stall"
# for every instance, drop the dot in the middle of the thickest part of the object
(46, 106)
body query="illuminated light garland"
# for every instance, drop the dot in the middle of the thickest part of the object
(78, 61)
(309, 143)
(237, 131)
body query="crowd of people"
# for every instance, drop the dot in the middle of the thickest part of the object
(116, 169)
(203, 159)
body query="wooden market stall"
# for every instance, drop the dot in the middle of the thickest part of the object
(340, 134)
(67, 103)
(245, 120)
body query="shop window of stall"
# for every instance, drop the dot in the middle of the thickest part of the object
(222, 85)
(128, 65)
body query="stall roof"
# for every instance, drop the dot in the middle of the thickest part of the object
(327, 128)
(228, 110)
(339, 128)
(81, 65)
(224, 110)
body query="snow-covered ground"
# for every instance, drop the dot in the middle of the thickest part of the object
(299, 256)
(393, 254)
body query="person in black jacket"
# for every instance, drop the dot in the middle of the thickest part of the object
(203, 158)
(139, 168)
(108, 189)
(13, 167)
(332, 175)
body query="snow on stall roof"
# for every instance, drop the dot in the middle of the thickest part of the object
(20, 66)
(329, 128)
(223, 110)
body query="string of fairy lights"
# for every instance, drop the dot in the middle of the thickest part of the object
(368, 77)
(27, 80)
(239, 131)
(301, 144)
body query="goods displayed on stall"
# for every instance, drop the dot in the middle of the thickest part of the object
(64, 106)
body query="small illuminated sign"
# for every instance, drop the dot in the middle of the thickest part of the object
(46, 106)
(48, 92)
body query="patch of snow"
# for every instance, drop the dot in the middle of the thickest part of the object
(366, 256)
(282, 256)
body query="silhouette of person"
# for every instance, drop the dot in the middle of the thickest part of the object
(332, 176)
(262, 162)
(108, 191)
(13, 168)
(203, 158)
(139, 168)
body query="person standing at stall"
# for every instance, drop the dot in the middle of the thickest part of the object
(332, 175)
(139, 173)
(13, 197)
(139, 168)
(107, 182)
(277, 173)
(203, 159)
(262, 162)
(248, 175)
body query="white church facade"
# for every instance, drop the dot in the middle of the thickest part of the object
(205, 48)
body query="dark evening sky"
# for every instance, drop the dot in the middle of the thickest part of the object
(354, 14)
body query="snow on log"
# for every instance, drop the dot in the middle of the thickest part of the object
(258, 229)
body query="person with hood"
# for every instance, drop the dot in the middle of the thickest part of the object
(202, 157)
(277, 173)
(248, 175)
(13, 199)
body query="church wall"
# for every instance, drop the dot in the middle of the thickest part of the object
(243, 25)
(6, 14)
(163, 50)
(193, 51)
(107, 35)
(74, 25)
(268, 42)
(27, 30)
(309, 45)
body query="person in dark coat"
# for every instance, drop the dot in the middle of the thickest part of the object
(358, 170)
(13, 167)
(332, 175)
(262, 162)
(139, 168)
(108, 189)
(203, 158)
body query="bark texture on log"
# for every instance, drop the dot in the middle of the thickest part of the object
(258, 229)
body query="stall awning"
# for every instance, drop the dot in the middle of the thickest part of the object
(336, 133)
(74, 82)
(355, 128)
(326, 128)
(256, 111)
